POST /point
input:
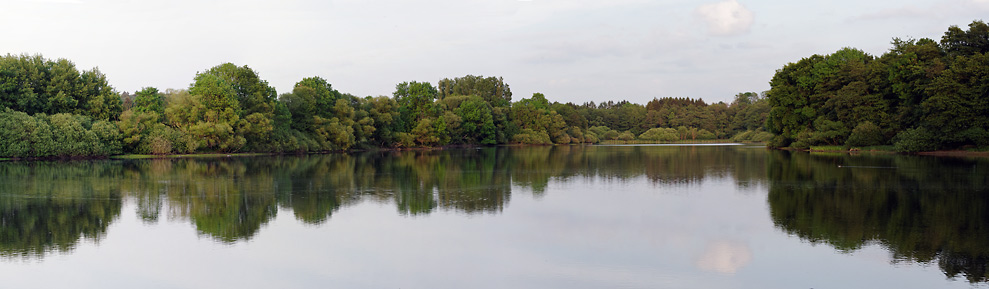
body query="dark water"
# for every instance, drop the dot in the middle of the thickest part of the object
(537, 217)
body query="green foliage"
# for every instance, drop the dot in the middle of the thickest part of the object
(752, 136)
(576, 135)
(626, 135)
(109, 137)
(417, 98)
(477, 123)
(424, 132)
(60, 135)
(229, 108)
(529, 136)
(149, 100)
(976, 135)
(208, 117)
(404, 139)
(929, 95)
(134, 128)
(703, 134)
(915, 140)
(252, 93)
(384, 113)
(33, 84)
(828, 132)
(865, 134)
(255, 103)
(660, 134)
(975, 40)
(492, 90)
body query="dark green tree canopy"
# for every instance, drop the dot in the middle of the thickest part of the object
(921, 95)
(417, 97)
(33, 84)
(149, 99)
(957, 42)
(493, 90)
(253, 93)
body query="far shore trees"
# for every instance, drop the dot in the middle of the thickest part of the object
(921, 95)
(230, 108)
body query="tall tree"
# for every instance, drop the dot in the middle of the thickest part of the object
(493, 90)
(33, 84)
(149, 99)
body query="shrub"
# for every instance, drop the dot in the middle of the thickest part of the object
(804, 140)
(576, 135)
(915, 140)
(976, 135)
(761, 136)
(59, 135)
(109, 135)
(404, 139)
(778, 141)
(528, 136)
(705, 135)
(590, 137)
(865, 134)
(742, 136)
(660, 134)
(627, 135)
(562, 138)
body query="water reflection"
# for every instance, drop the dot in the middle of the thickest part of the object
(921, 209)
(49, 206)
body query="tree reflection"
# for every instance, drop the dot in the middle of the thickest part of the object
(49, 207)
(921, 209)
(230, 199)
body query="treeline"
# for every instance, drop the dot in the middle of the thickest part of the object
(50, 109)
(921, 95)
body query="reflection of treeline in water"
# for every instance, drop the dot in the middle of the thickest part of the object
(920, 209)
(230, 199)
(48, 207)
(535, 166)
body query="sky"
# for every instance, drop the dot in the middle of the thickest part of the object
(570, 50)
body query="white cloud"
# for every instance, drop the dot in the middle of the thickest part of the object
(726, 18)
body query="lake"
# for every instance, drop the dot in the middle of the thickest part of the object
(638, 216)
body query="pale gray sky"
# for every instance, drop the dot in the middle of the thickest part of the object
(570, 50)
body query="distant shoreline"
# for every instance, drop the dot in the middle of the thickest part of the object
(832, 149)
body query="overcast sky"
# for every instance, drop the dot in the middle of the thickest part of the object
(570, 50)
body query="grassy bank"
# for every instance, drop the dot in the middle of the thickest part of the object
(210, 155)
(883, 149)
(612, 142)
(967, 152)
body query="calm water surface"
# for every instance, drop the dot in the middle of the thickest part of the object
(535, 217)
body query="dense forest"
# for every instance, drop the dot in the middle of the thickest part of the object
(921, 95)
(49, 109)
